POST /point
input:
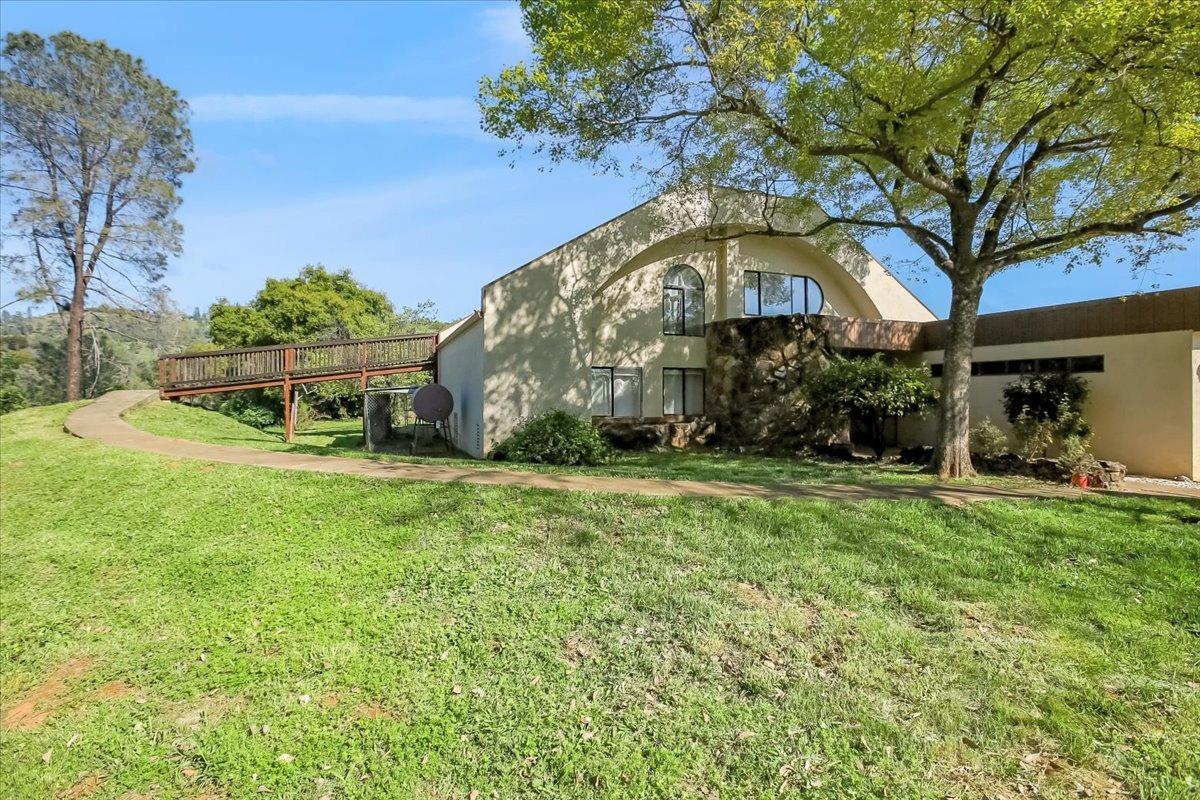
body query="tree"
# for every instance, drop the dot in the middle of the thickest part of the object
(316, 305)
(871, 391)
(94, 148)
(990, 133)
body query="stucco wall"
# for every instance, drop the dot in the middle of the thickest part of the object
(460, 369)
(597, 300)
(1144, 408)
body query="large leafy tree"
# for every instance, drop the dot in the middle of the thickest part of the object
(315, 305)
(990, 133)
(93, 150)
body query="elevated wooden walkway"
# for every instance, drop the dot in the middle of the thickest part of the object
(289, 365)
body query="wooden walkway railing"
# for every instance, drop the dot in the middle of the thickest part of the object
(287, 365)
(273, 365)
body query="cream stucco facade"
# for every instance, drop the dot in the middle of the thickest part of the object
(1143, 407)
(597, 301)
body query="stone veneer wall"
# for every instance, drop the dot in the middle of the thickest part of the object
(756, 370)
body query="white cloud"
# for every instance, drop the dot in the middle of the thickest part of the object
(447, 111)
(503, 23)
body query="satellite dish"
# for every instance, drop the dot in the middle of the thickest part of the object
(433, 403)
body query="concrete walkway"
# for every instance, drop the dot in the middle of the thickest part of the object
(101, 420)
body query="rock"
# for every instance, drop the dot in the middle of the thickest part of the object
(656, 432)
(1107, 474)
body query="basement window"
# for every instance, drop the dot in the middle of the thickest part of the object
(683, 391)
(616, 391)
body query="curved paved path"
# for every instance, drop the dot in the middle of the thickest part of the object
(101, 420)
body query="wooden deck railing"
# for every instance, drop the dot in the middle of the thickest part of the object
(254, 367)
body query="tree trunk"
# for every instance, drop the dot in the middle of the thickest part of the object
(75, 343)
(952, 455)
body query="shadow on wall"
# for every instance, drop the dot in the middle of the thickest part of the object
(541, 320)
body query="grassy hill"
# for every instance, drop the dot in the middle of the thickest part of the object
(182, 629)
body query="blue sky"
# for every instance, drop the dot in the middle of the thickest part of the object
(347, 134)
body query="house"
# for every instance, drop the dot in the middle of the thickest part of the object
(618, 323)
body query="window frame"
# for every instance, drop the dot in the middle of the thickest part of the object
(612, 391)
(758, 273)
(682, 300)
(683, 399)
(995, 368)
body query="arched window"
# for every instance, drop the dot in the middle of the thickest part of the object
(683, 302)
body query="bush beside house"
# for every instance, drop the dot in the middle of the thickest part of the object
(555, 437)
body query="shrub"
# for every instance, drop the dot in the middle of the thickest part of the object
(555, 437)
(248, 411)
(11, 399)
(1076, 457)
(1034, 437)
(987, 440)
(871, 390)
(1045, 409)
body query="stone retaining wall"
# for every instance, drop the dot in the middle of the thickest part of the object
(757, 367)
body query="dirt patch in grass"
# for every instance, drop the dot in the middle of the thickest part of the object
(204, 710)
(45, 699)
(86, 786)
(371, 711)
(114, 690)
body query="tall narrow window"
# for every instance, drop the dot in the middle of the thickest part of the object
(683, 302)
(616, 391)
(770, 294)
(683, 391)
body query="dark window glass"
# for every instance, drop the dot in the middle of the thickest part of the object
(683, 302)
(1052, 365)
(935, 370)
(752, 306)
(992, 368)
(1087, 364)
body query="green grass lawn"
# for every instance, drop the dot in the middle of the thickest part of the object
(344, 438)
(198, 630)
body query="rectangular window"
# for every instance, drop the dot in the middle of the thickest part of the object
(1087, 363)
(601, 380)
(769, 294)
(1030, 366)
(616, 391)
(752, 308)
(683, 391)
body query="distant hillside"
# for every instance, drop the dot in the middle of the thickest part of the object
(119, 351)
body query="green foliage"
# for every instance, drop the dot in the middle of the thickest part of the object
(1045, 410)
(1076, 456)
(871, 390)
(555, 437)
(988, 440)
(315, 305)
(248, 410)
(11, 399)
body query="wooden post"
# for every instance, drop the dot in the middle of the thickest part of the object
(362, 360)
(288, 411)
